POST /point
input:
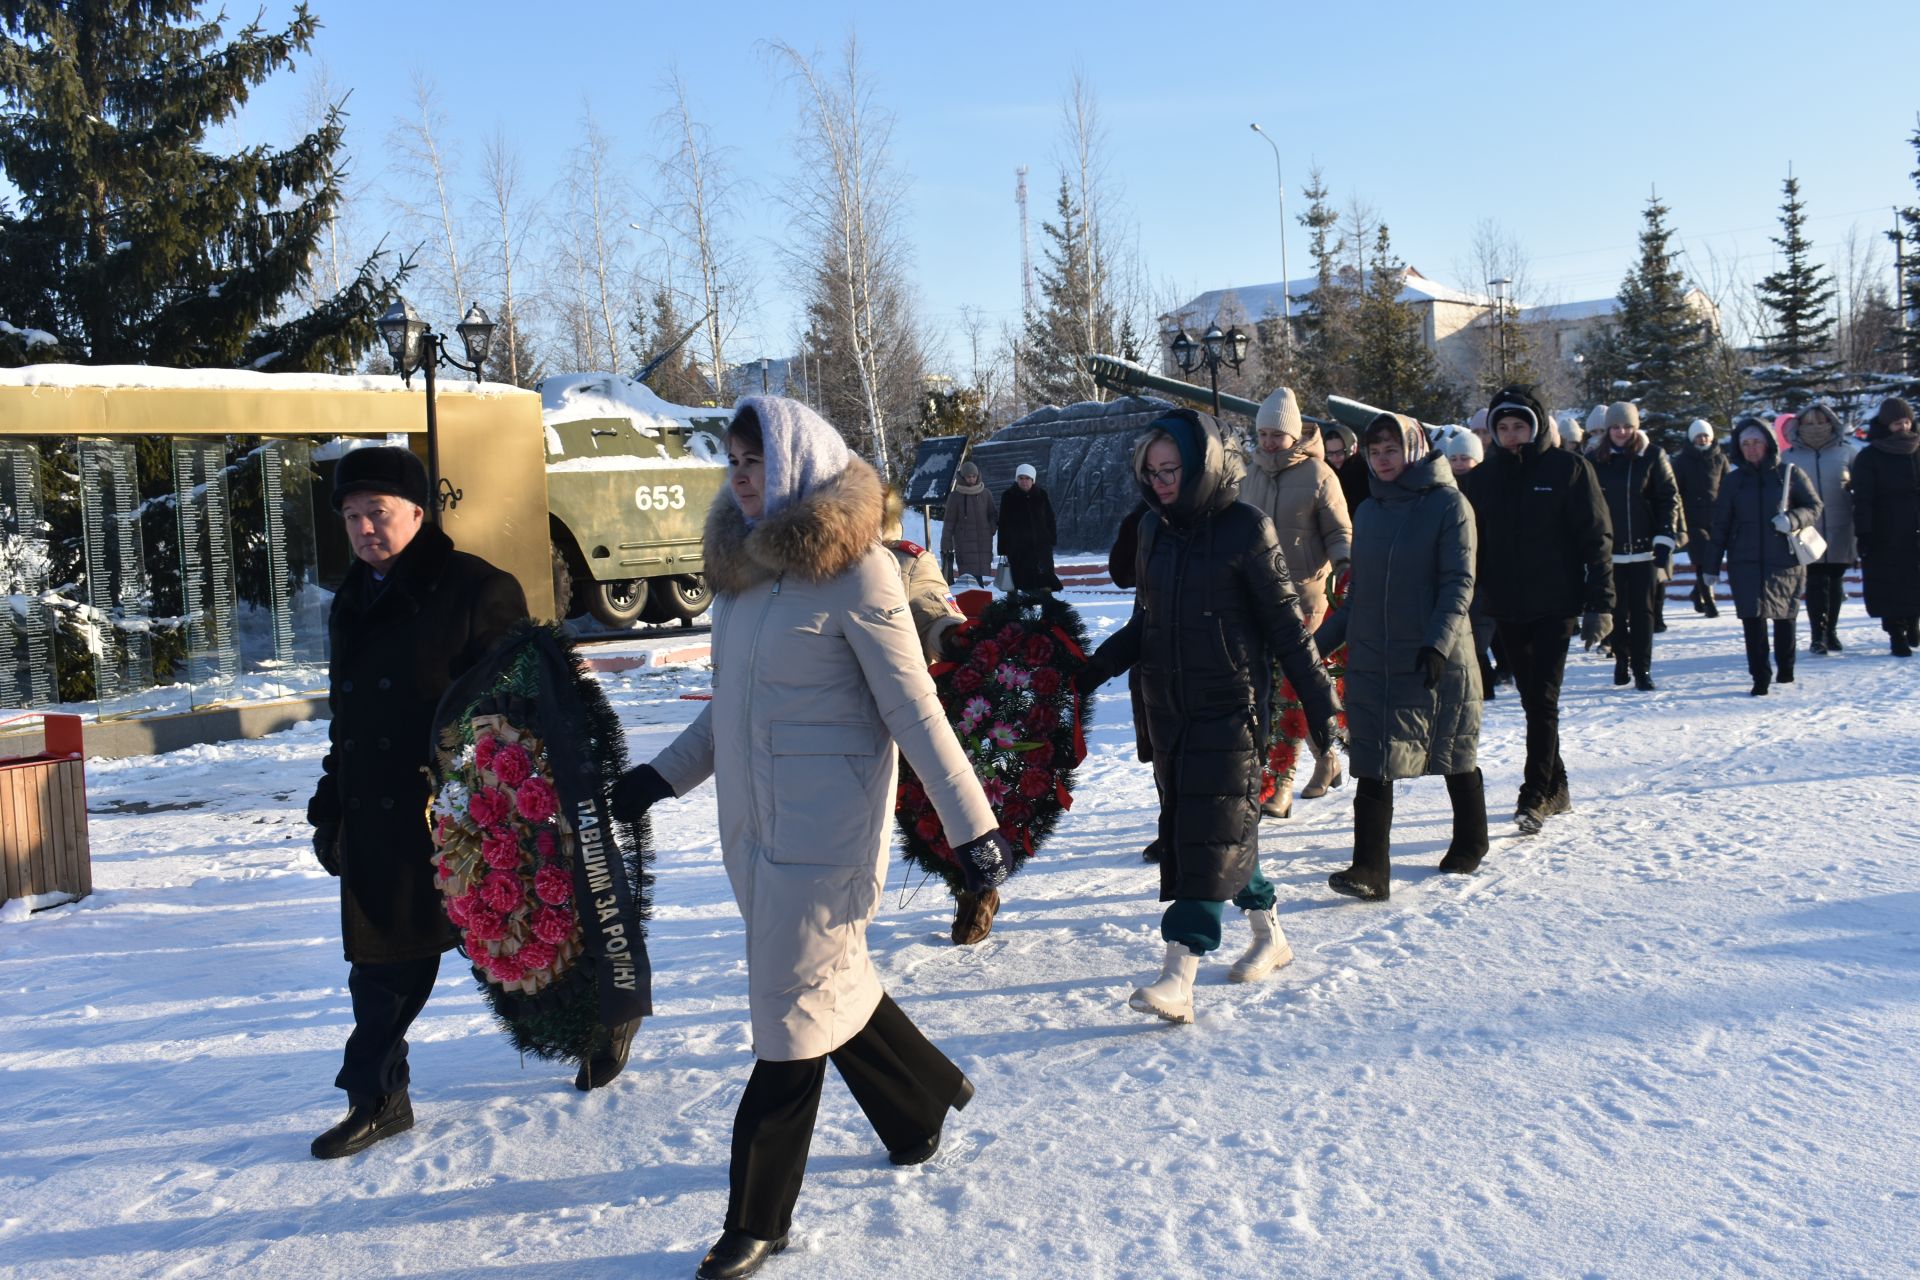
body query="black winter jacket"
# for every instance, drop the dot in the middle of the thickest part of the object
(1545, 540)
(1213, 611)
(1764, 577)
(1886, 524)
(1699, 473)
(397, 645)
(1643, 501)
(1027, 535)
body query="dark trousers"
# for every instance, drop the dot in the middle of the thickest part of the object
(386, 1000)
(903, 1084)
(1699, 554)
(1537, 652)
(1633, 585)
(1754, 631)
(1826, 591)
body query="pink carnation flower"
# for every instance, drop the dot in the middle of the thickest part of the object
(537, 955)
(457, 910)
(489, 807)
(508, 968)
(502, 891)
(501, 850)
(488, 926)
(537, 800)
(512, 765)
(552, 884)
(483, 749)
(553, 924)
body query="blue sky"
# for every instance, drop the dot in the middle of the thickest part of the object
(1554, 120)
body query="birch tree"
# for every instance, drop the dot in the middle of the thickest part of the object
(425, 197)
(699, 206)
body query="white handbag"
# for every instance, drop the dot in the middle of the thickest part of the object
(1808, 546)
(1003, 577)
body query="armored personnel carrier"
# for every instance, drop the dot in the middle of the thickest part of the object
(629, 480)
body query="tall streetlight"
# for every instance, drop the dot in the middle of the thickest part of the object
(1213, 350)
(415, 346)
(1286, 280)
(1500, 287)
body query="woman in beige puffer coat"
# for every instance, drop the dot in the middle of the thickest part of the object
(817, 675)
(1288, 479)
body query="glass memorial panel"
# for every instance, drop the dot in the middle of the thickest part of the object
(296, 598)
(26, 621)
(117, 621)
(204, 514)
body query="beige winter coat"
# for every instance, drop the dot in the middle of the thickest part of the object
(817, 673)
(929, 599)
(1301, 495)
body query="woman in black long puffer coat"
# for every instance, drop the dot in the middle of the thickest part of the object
(1886, 523)
(1213, 612)
(1750, 524)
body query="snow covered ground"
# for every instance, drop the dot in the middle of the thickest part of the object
(1675, 1035)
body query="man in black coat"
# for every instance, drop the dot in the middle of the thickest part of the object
(1698, 469)
(1545, 568)
(1027, 533)
(411, 617)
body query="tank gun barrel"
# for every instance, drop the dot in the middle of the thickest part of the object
(1126, 377)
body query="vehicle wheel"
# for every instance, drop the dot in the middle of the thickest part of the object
(563, 601)
(617, 604)
(686, 598)
(659, 609)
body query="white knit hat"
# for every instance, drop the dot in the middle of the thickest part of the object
(1699, 427)
(1465, 444)
(1025, 469)
(1279, 412)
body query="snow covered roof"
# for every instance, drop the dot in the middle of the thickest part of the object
(1592, 309)
(157, 378)
(1259, 301)
(575, 397)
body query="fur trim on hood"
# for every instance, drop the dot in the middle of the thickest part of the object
(819, 536)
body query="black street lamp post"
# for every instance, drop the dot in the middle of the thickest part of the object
(415, 346)
(1500, 288)
(1213, 350)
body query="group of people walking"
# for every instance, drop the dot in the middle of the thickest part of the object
(822, 637)
(1021, 523)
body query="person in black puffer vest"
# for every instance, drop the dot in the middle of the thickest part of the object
(1213, 612)
(411, 616)
(1643, 504)
(1545, 568)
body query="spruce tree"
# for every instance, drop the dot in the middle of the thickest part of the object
(1799, 300)
(133, 242)
(1659, 354)
(658, 327)
(1324, 362)
(1905, 341)
(1074, 320)
(1393, 369)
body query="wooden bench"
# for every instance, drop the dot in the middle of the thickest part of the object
(43, 819)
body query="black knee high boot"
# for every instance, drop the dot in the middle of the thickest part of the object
(1369, 876)
(1468, 793)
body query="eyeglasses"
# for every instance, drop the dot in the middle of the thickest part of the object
(1164, 475)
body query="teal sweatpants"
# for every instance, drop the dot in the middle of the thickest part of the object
(1195, 922)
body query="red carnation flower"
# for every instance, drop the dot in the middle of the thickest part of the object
(1035, 783)
(500, 850)
(489, 807)
(966, 680)
(1294, 724)
(1017, 812)
(1047, 681)
(536, 800)
(553, 924)
(457, 910)
(1041, 755)
(986, 655)
(547, 843)
(1038, 649)
(502, 891)
(536, 955)
(552, 885)
(1010, 633)
(488, 926)
(512, 765)
(483, 749)
(508, 968)
(912, 794)
(928, 828)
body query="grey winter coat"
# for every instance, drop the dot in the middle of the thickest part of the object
(1830, 467)
(1765, 579)
(817, 676)
(966, 531)
(1413, 560)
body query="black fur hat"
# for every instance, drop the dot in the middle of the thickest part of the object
(382, 469)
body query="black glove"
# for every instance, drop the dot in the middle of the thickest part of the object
(1323, 713)
(326, 846)
(1595, 628)
(985, 863)
(950, 647)
(1431, 664)
(1088, 678)
(639, 789)
(1663, 559)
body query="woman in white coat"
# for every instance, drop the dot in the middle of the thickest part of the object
(817, 675)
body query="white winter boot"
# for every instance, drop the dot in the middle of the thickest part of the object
(1267, 952)
(1171, 994)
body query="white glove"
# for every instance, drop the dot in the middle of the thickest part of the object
(1783, 522)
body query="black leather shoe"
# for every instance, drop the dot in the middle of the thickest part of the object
(1354, 887)
(921, 1152)
(737, 1254)
(369, 1119)
(603, 1067)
